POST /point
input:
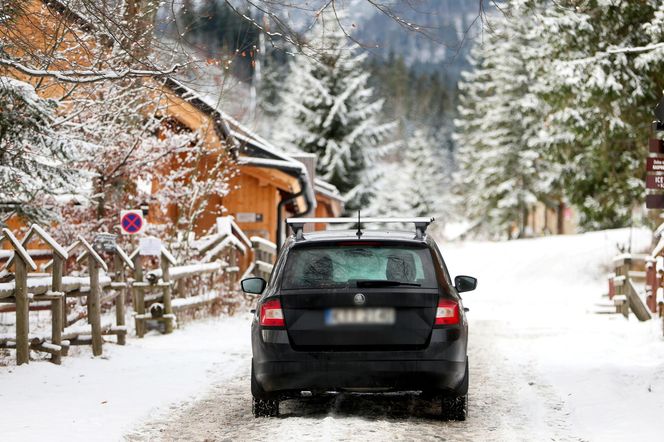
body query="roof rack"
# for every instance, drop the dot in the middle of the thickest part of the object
(297, 224)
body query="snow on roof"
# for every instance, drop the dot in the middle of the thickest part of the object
(265, 162)
(210, 106)
(243, 133)
(328, 189)
(237, 131)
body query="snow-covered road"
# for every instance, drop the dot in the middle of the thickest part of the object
(543, 366)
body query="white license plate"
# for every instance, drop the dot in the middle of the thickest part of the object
(342, 316)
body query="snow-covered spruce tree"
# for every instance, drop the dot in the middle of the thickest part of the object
(503, 170)
(413, 183)
(602, 78)
(329, 110)
(36, 160)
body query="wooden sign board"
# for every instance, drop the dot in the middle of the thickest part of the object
(656, 146)
(655, 164)
(655, 201)
(655, 182)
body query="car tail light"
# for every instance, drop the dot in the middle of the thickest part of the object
(271, 314)
(447, 312)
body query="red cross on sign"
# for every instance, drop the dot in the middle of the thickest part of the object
(131, 221)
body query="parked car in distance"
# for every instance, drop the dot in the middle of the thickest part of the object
(371, 311)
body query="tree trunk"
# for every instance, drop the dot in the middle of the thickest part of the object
(561, 218)
(139, 16)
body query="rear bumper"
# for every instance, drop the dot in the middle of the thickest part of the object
(340, 375)
(439, 367)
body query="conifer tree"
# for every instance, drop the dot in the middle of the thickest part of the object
(503, 169)
(329, 110)
(413, 183)
(36, 161)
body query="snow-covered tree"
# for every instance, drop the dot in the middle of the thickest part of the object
(136, 155)
(329, 110)
(503, 169)
(602, 79)
(36, 160)
(413, 183)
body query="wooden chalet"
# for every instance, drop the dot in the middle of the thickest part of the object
(269, 185)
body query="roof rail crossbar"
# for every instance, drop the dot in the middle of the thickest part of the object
(297, 224)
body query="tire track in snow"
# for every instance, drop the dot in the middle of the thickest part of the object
(508, 401)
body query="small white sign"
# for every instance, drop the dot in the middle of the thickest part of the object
(249, 217)
(149, 246)
(132, 222)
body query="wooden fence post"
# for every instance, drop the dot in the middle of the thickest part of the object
(138, 294)
(232, 258)
(120, 260)
(57, 306)
(166, 260)
(94, 297)
(21, 265)
(55, 295)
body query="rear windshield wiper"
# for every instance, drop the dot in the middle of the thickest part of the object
(384, 283)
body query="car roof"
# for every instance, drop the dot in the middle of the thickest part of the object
(351, 235)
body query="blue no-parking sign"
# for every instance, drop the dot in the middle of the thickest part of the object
(131, 221)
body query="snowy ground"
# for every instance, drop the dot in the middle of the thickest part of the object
(543, 366)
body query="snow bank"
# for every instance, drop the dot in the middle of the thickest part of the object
(607, 372)
(89, 398)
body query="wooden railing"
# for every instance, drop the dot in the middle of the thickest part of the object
(629, 274)
(264, 256)
(159, 295)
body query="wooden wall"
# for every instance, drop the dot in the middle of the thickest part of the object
(249, 194)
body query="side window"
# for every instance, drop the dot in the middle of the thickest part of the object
(281, 259)
(441, 262)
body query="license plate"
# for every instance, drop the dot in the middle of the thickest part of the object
(346, 316)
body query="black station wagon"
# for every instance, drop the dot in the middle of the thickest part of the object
(372, 311)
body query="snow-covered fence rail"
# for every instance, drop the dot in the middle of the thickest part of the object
(27, 289)
(160, 306)
(265, 253)
(630, 271)
(171, 291)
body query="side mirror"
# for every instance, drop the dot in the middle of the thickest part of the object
(253, 285)
(465, 283)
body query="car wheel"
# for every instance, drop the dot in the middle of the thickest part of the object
(454, 408)
(262, 405)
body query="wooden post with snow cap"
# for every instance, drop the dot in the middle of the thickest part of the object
(55, 295)
(120, 261)
(21, 265)
(73, 246)
(167, 260)
(94, 298)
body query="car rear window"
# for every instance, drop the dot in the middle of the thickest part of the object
(357, 265)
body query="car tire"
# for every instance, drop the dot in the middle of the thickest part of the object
(262, 405)
(454, 408)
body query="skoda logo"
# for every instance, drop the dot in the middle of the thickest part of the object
(359, 299)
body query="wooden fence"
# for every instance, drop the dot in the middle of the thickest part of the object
(160, 297)
(635, 285)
